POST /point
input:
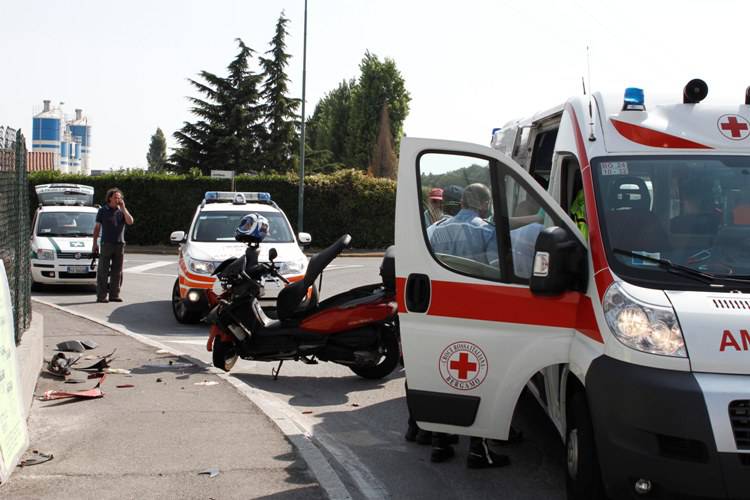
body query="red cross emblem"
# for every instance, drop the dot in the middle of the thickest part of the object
(463, 365)
(734, 127)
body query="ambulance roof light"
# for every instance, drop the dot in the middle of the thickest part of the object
(634, 100)
(695, 91)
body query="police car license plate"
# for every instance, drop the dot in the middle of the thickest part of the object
(78, 269)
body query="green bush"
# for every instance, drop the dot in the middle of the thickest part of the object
(344, 202)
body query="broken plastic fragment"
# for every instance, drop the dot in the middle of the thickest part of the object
(89, 344)
(212, 472)
(162, 351)
(118, 371)
(207, 382)
(94, 392)
(37, 457)
(124, 386)
(71, 346)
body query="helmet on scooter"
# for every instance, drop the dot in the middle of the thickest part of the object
(253, 228)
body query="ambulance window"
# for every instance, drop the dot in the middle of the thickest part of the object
(456, 210)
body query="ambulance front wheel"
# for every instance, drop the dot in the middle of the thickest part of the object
(180, 309)
(584, 479)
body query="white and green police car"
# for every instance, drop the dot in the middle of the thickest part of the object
(210, 241)
(62, 235)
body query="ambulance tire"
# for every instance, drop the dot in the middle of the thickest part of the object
(389, 360)
(224, 355)
(584, 478)
(181, 313)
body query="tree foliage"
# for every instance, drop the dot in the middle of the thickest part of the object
(279, 110)
(157, 152)
(384, 162)
(327, 129)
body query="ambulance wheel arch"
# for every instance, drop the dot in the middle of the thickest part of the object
(488, 333)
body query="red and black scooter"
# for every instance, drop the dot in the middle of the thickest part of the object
(357, 328)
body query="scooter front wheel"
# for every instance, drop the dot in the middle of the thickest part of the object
(224, 355)
(391, 353)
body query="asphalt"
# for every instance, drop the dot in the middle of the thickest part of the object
(151, 440)
(172, 250)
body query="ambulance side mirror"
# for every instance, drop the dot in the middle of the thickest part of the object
(559, 263)
(177, 237)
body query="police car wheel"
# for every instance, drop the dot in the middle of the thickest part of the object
(180, 310)
(390, 356)
(583, 479)
(224, 355)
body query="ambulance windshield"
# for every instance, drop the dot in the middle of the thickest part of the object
(665, 217)
(219, 226)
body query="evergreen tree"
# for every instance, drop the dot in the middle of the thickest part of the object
(379, 83)
(157, 152)
(279, 110)
(384, 162)
(328, 126)
(229, 129)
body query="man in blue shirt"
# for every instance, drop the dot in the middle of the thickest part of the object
(110, 223)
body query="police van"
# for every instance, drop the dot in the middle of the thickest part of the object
(62, 235)
(210, 241)
(619, 294)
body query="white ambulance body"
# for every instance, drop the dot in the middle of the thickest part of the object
(633, 337)
(62, 235)
(210, 241)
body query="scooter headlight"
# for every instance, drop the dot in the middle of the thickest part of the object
(643, 327)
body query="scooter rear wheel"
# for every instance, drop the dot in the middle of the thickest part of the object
(224, 355)
(388, 361)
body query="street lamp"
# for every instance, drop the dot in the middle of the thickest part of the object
(301, 196)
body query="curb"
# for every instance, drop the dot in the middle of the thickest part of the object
(304, 441)
(30, 354)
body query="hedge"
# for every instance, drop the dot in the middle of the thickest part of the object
(345, 202)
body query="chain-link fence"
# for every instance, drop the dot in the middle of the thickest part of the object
(15, 227)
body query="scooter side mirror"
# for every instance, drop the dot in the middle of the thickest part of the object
(272, 254)
(559, 263)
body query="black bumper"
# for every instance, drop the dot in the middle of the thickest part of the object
(653, 424)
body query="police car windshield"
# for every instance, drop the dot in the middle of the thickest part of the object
(692, 211)
(220, 226)
(67, 224)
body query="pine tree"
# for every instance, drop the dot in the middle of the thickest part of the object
(229, 131)
(384, 162)
(157, 152)
(328, 126)
(279, 110)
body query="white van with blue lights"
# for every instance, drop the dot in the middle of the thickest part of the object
(615, 288)
(62, 235)
(210, 241)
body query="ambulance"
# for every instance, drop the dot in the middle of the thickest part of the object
(615, 288)
(210, 241)
(62, 235)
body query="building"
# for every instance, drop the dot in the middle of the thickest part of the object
(68, 140)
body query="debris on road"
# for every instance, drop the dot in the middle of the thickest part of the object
(102, 364)
(89, 344)
(60, 364)
(36, 458)
(93, 393)
(163, 351)
(124, 386)
(207, 382)
(212, 472)
(71, 346)
(159, 380)
(118, 371)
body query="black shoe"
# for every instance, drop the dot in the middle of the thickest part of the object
(103, 301)
(441, 454)
(424, 437)
(115, 299)
(482, 461)
(411, 432)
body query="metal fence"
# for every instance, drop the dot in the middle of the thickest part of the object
(15, 226)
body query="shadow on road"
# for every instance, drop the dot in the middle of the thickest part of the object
(153, 318)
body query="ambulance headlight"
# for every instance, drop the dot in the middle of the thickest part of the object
(643, 327)
(202, 266)
(43, 254)
(293, 266)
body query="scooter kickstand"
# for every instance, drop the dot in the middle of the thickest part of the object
(275, 371)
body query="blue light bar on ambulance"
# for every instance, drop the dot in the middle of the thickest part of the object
(238, 198)
(634, 100)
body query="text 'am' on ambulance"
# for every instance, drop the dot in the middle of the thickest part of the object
(62, 235)
(210, 241)
(599, 255)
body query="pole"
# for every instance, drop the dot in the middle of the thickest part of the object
(301, 197)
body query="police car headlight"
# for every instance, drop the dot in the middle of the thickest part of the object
(43, 254)
(293, 266)
(202, 266)
(643, 327)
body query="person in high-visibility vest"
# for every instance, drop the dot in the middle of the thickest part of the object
(578, 213)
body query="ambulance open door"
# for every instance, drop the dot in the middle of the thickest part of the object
(473, 334)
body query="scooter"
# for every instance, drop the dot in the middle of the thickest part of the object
(357, 328)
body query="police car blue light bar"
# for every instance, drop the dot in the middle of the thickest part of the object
(237, 197)
(634, 100)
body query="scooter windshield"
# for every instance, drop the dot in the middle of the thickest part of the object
(676, 221)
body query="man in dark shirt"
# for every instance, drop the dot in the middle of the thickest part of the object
(110, 222)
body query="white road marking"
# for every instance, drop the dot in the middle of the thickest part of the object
(336, 268)
(191, 341)
(296, 428)
(146, 267)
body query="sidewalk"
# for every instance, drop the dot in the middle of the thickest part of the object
(151, 440)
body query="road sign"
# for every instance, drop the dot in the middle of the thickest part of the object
(223, 174)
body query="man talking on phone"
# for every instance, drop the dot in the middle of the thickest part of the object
(110, 223)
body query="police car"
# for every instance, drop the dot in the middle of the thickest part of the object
(62, 235)
(210, 241)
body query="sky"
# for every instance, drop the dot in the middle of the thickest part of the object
(469, 65)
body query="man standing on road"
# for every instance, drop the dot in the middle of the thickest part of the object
(110, 222)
